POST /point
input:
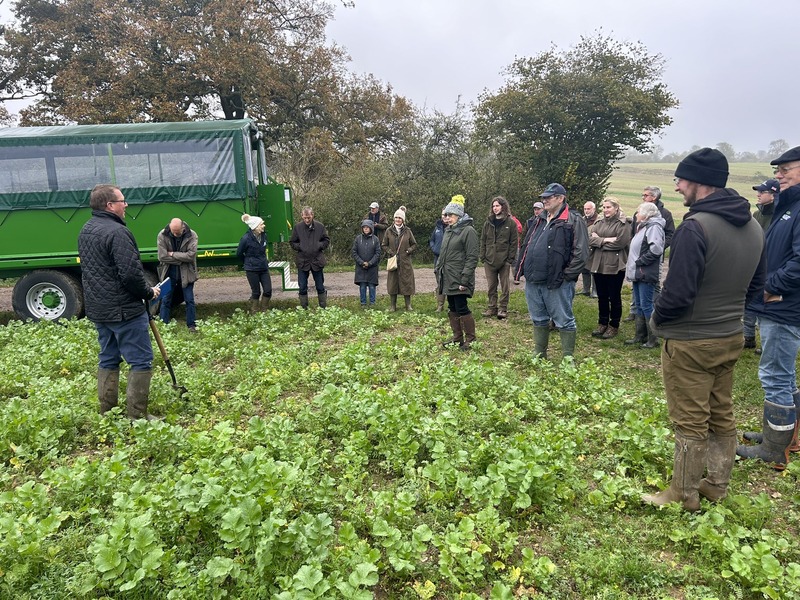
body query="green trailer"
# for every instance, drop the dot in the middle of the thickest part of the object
(207, 173)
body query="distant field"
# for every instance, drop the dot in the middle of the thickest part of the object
(629, 179)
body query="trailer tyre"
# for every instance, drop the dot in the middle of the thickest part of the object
(48, 295)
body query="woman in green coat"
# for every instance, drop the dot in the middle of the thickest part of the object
(456, 271)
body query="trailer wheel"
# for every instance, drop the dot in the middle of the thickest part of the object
(48, 295)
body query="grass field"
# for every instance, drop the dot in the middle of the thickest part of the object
(629, 179)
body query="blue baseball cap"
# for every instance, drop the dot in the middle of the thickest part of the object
(770, 185)
(554, 189)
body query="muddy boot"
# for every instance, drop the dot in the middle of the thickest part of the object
(322, 298)
(304, 301)
(107, 389)
(778, 430)
(138, 394)
(749, 342)
(541, 338)
(264, 303)
(408, 302)
(393, 303)
(252, 306)
(652, 338)
(491, 311)
(688, 466)
(640, 337)
(502, 312)
(458, 331)
(568, 342)
(721, 455)
(468, 325)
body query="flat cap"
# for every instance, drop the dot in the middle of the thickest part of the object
(788, 156)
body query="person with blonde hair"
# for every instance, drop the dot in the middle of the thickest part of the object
(609, 239)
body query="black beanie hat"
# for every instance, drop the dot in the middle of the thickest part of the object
(706, 166)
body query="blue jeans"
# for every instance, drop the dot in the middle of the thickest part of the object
(643, 298)
(126, 339)
(319, 281)
(362, 291)
(749, 324)
(544, 304)
(780, 344)
(191, 309)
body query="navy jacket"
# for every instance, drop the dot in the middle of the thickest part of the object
(254, 252)
(782, 246)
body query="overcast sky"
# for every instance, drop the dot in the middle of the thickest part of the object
(728, 62)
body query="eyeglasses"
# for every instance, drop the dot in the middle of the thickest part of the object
(783, 170)
(675, 180)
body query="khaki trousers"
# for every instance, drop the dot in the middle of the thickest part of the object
(698, 382)
(492, 277)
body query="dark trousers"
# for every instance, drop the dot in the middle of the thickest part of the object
(458, 305)
(609, 297)
(259, 280)
(302, 281)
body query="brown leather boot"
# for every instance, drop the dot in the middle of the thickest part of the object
(468, 325)
(611, 332)
(458, 332)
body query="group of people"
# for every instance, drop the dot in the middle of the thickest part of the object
(725, 264)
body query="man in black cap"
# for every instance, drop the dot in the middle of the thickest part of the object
(778, 312)
(551, 258)
(765, 206)
(699, 315)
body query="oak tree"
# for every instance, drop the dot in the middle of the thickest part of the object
(566, 116)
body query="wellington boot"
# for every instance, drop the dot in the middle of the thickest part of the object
(264, 303)
(630, 317)
(107, 389)
(458, 331)
(439, 302)
(794, 445)
(640, 337)
(468, 325)
(652, 338)
(408, 302)
(322, 298)
(688, 466)
(778, 426)
(304, 301)
(252, 306)
(393, 303)
(541, 338)
(721, 456)
(568, 342)
(138, 395)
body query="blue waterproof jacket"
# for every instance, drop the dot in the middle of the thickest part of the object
(782, 247)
